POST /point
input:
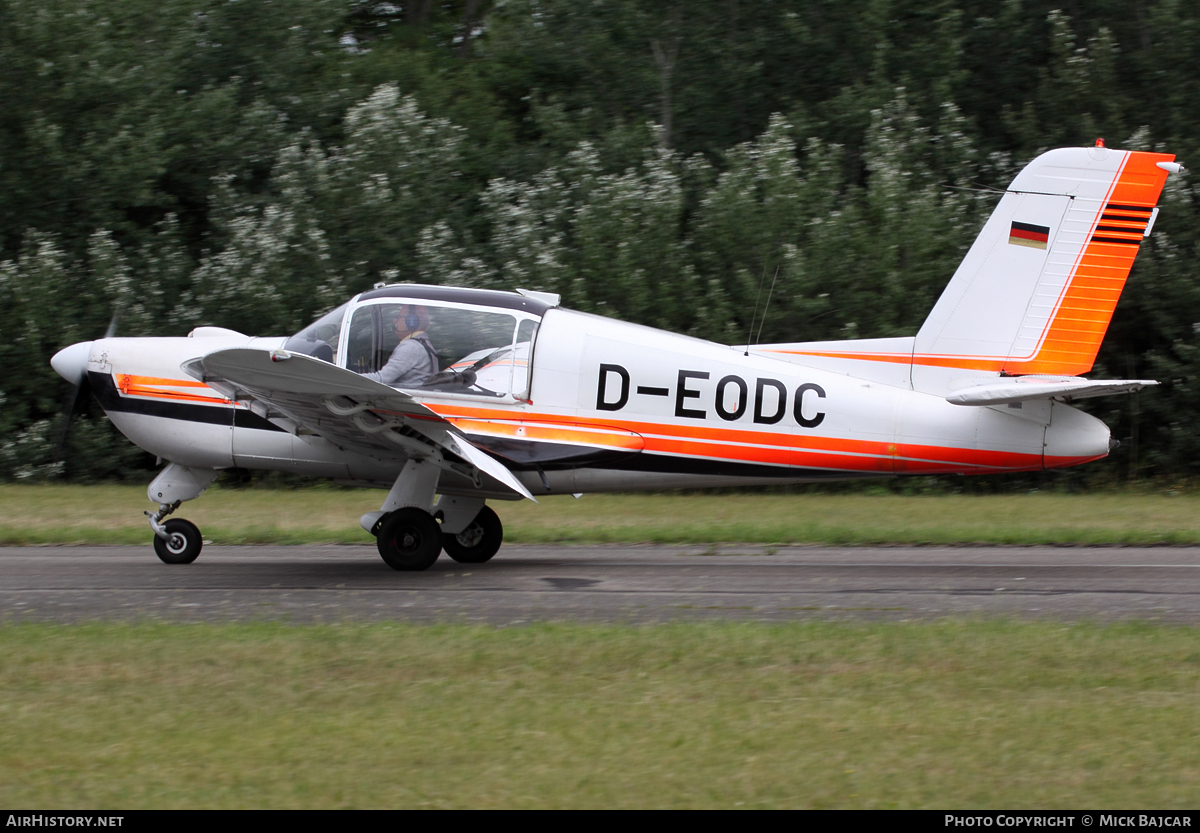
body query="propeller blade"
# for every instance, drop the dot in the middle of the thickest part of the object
(71, 364)
(70, 405)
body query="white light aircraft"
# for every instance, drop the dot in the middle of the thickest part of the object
(503, 396)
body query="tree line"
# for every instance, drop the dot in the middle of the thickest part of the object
(251, 165)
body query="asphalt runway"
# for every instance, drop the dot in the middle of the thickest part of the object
(635, 584)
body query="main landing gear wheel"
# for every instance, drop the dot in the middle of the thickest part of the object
(478, 542)
(182, 544)
(409, 539)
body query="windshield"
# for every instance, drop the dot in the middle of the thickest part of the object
(320, 338)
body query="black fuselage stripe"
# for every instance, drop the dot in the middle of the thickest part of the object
(665, 464)
(111, 400)
(248, 419)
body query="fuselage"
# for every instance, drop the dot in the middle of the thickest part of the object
(604, 405)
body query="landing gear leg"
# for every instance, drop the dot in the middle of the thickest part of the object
(408, 536)
(177, 541)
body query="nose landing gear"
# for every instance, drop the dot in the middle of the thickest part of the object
(177, 541)
(182, 544)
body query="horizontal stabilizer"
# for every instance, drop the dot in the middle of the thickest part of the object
(1026, 388)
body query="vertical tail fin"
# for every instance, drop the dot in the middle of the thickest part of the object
(1036, 291)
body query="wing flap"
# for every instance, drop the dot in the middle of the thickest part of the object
(475, 456)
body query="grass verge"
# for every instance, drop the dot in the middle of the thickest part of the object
(942, 715)
(113, 515)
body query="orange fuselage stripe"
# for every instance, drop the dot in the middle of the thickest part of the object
(786, 449)
(551, 433)
(153, 386)
(727, 444)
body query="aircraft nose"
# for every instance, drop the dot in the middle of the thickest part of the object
(71, 362)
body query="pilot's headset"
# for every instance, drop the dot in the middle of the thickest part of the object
(412, 320)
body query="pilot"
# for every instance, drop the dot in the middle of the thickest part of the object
(414, 360)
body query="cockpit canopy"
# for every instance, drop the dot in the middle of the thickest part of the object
(443, 339)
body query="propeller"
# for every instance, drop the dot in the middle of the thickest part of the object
(71, 364)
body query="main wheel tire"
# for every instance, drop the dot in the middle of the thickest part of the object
(478, 542)
(409, 539)
(183, 543)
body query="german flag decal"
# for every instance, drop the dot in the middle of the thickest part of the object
(1027, 234)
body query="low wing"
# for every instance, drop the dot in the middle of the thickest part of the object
(1025, 388)
(352, 412)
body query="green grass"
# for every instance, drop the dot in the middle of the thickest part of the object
(942, 715)
(113, 515)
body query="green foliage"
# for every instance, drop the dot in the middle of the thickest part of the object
(251, 164)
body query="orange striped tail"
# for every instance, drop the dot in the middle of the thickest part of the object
(1036, 292)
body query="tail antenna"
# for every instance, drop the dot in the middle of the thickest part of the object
(754, 315)
(770, 292)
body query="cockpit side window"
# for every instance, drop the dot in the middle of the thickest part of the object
(432, 346)
(476, 350)
(523, 357)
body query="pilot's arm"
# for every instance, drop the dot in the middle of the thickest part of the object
(410, 365)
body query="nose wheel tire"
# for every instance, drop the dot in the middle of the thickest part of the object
(409, 539)
(478, 542)
(182, 544)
